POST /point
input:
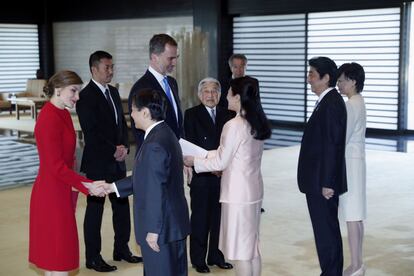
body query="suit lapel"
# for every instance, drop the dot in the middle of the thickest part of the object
(100, 97)
(205, 116)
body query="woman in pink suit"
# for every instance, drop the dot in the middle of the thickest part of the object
(53, 241)
(239, 158)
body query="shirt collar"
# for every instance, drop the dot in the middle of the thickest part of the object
(209, 109)
(157, 75)
(151, 127)
(103, 88)
(324, 93)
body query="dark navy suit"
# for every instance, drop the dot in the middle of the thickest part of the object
(160, 206)
(322, 164)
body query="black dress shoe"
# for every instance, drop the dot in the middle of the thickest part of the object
(222, 265)
(201, 268)
(128, 257)
(100, 265)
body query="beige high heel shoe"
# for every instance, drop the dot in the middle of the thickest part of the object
(360, 271)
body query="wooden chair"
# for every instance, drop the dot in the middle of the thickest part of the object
(5, 105)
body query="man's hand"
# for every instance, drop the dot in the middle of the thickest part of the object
(327, 192)
(152, 240)
(96, 188)
(217, 173)
(109, 188)
(188, 161)
(188, 172)
(120, 153)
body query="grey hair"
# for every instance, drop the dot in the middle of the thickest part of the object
(206, 80)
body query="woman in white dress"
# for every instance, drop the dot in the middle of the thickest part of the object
(239, 158)
(352, 205)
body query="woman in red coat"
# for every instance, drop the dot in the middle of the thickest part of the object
(54, 244)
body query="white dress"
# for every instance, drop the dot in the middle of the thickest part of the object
(352, 204)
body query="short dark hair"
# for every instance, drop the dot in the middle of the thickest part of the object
(248, 89)
(158, 42)
(152, 100)
(325, 65)
(353, 71)
(237, 56)
(95, 58)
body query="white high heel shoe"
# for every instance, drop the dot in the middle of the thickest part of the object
(360, 271)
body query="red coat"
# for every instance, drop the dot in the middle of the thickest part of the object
(54, 243)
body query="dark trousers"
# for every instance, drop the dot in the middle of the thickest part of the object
(93, 220)
(324, 217)
(205, 222)
(170, 261)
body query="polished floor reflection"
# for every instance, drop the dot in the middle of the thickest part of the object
(284, 137)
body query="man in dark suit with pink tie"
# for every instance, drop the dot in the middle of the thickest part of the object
(321, 168)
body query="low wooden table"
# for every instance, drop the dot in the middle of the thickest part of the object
(35, 103)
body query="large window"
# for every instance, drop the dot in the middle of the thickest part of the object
(370, 38)
(275, 47)
(19, 56)
(279, 46)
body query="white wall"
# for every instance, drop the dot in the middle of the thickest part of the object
(126, 40)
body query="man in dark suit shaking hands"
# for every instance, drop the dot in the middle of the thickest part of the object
(160, 209)
(106, 147)
(203, 125)
(321, 168)
(163, 58)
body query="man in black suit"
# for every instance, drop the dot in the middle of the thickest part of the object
(321, 168)
(106, 147)
(203, 125)
(161, 216)
(163, 59)
(237, 65)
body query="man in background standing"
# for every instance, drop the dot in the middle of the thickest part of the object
(106, 147)
(163, 54)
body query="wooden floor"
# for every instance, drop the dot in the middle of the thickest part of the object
(287, 243)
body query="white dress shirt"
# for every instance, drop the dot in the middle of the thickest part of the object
(159, 78)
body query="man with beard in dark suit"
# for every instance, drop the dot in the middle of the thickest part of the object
(163, 58)
(203, 125)
(106, 147)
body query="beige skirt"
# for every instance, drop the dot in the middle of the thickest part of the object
(239, 231)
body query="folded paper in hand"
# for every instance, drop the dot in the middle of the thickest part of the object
(191, 149)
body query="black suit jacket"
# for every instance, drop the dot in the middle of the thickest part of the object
(200, 130)
(149, 81)
(101, 133)
(157, 184)
(322, 152)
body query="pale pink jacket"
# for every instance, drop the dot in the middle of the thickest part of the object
(239, 156)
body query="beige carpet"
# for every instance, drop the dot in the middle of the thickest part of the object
(286, 234)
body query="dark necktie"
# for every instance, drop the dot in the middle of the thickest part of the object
(111, 106)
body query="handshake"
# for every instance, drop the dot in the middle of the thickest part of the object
(99, 188)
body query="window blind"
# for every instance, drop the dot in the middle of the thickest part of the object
(19, 56)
